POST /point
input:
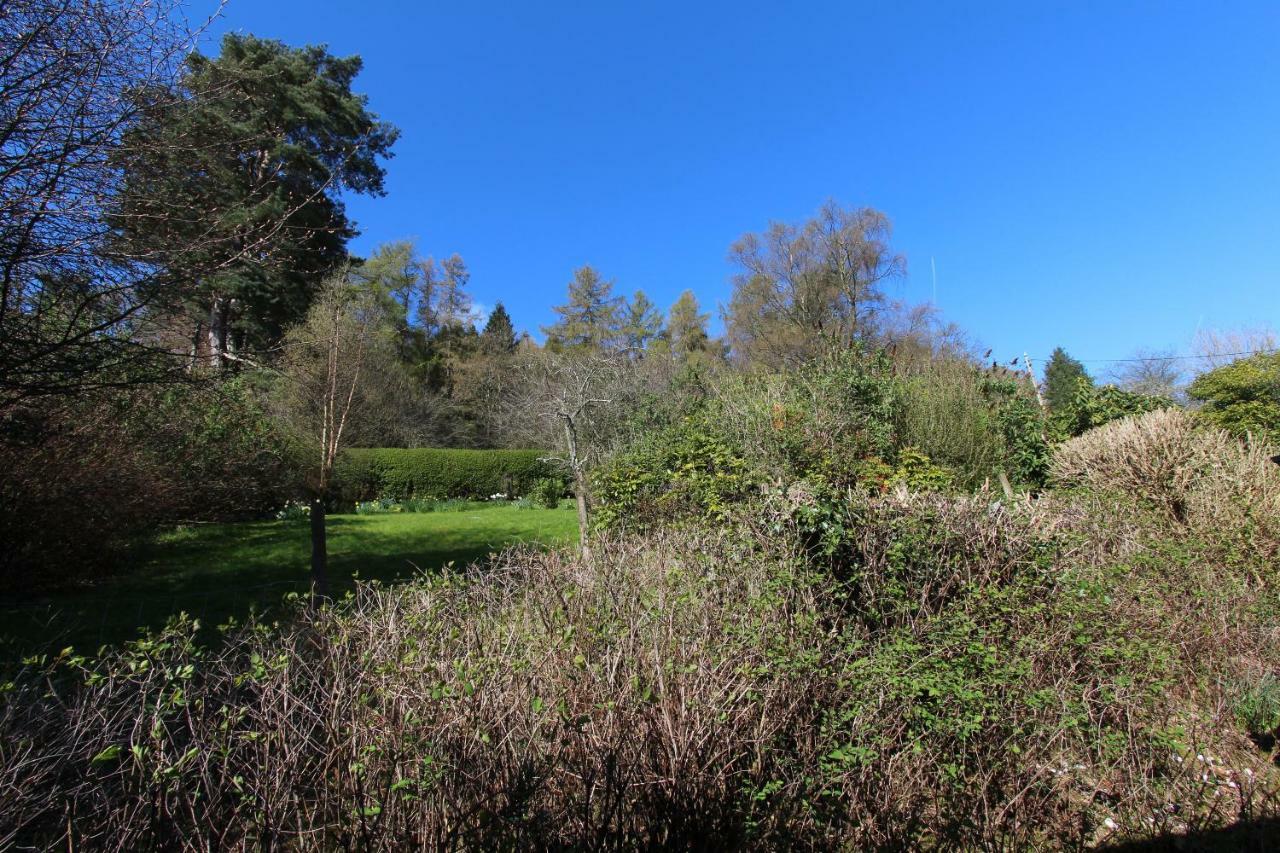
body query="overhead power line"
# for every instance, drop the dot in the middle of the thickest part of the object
(1174, 357)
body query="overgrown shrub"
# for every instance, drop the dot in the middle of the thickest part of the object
(397, 473)
(844, 422)
(1091, 406)
(970, 678)
(976, 422)
(686, 470)
(1243, 396)
(1197, 476)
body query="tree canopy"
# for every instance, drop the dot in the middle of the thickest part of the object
(590, 317)
(803, 288)
(281, 137)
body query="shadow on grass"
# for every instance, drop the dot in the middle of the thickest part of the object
(218, 572)
(1254, 836)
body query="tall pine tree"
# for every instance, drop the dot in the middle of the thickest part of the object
(1062, 375)
(687, 327)
(281, 137)
(590, 318)
(499, 335)
(641, 323)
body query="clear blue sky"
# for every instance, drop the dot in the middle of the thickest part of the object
(1097, 175)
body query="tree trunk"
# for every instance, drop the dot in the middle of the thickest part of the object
(580, 495)
(219, 329)
(579, 483)
(319, 552)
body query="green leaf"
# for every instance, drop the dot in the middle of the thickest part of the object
(107, 755)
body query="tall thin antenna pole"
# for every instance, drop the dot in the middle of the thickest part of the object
(1031, 375)
(933, 266)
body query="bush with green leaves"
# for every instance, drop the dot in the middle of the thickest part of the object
(1093, 405)
(1243, 396)
(947, 413)
(398, 473)
(686, 470)
(547, 492)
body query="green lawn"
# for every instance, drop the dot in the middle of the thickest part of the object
(216, 571)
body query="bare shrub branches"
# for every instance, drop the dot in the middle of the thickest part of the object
(692, 689)
(71, 74)
(1198, 476)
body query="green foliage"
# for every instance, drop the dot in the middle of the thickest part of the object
(684, 470)
(1243, 396)
(916, 471)
(260, 148)
(1062, 374)
(687, 330)
(547, 492)
(1257, 706)
(641, 322)
(974, 422)
(499, 335)
(591, 316)
(397, 473)
(1092, 406)
(826, 419)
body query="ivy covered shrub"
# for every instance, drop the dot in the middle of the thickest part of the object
(366, 473)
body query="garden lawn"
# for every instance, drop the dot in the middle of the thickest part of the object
(217, 572)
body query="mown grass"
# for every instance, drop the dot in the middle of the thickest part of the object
(217, 572)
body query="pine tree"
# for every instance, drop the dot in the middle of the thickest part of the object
(1062, 375)
(641, 323)
(443, 301)
(590, 318)
(687, 326)
(281, 137)
(499, 335)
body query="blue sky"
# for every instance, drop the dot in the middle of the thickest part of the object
(1102, 176)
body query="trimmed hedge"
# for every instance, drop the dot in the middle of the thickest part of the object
(399, 473)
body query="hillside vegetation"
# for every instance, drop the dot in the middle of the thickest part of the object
(887, 668)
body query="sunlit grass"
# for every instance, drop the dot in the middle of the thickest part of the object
(221, 571)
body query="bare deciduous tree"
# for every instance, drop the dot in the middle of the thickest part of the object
(572, 399)
(70, 74)
(340, 377)
(1157, 374)
(806, 287)
(1216, 348)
